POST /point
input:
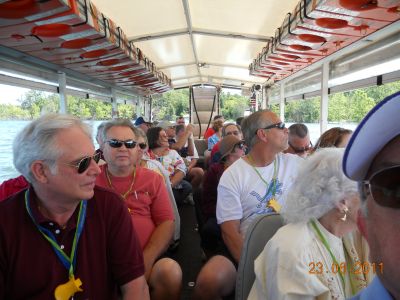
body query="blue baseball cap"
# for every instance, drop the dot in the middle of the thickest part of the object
(377, 129)
(140, 121)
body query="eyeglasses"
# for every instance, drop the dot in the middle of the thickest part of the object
(279, 125)
(142, 146)
(129, 144)
(300, 150)
(241, 145)
(84, 163)
(384, 187)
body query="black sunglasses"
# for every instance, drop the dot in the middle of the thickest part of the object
(384, 186)
(129, 144)
(84, 163)
(142, 146)
(279, 125)
(300, 150)
(241, 145)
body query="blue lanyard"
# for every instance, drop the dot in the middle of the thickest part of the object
(68, 262)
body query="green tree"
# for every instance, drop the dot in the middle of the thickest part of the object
(126, 111)
(171, 104)
(233, 106)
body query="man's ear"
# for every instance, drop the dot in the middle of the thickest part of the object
(40, 171)
(361, 224)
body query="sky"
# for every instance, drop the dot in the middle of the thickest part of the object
(11, 94)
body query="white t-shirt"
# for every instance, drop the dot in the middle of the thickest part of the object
(242, 195)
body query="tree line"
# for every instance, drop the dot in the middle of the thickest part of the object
(350, 106)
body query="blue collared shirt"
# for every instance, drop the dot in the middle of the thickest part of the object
(375, 290)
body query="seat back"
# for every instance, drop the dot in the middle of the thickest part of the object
(201, 146)
(257, 236)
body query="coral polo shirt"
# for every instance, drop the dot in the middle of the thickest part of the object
(148, 201)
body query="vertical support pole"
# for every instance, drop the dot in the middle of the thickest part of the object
(324, 97)
(150, 108)
(62, 91)
(114, 107)
(282, 103)
(267, 95)
(264, 98)
(257, 94)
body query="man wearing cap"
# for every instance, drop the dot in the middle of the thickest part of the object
(252, 186)
(372, 158)
(142, 124)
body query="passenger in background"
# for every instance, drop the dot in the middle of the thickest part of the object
(146, 196)
(171, 161)
(156, 166)
(194, 174)
(252, 186)
(12, 186)
(372, 158)
(180, 120)
(180, 144)
(231, 149)
(99, 140)
(239, 121)
(227, 129)
(143, 124)
(335, 137)
(299, 140)
(212, 140)
(210, 131)
(64, 231)
(314, 255)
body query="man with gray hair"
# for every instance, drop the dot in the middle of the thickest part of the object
(372, 158)
(299, 140)
(254, 185)
(62, 225)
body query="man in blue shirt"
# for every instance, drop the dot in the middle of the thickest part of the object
(372, 158)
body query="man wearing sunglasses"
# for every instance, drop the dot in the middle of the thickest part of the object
(146, 196)
(372, 158)
(252, 186)
(299, 140)
(63, 230)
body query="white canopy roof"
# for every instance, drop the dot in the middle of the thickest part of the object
(200, 41)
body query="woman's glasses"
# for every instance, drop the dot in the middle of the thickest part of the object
(129, 144)
(240, 145)
(84, 163)
(384, 186)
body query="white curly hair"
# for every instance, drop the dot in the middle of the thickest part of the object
(318, 187)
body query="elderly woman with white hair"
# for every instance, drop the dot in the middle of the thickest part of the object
(319, 253)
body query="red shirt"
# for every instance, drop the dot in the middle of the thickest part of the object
(215, 149)
(12, 186)
(108, 253)
(209, 132)
(148, 201)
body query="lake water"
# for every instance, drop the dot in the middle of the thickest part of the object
(9, 129)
